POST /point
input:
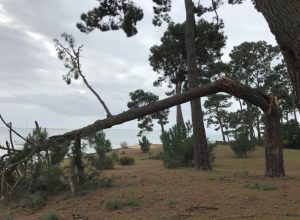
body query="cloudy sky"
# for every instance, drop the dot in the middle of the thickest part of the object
(31, 85)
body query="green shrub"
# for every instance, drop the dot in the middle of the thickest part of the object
(291, 134)
(105, 182)
(260, 186)
(126, 161)
(178, 147)
(99, 143)
(103, 163)
(118, 204)
(114, 204)
(242, 145)
(36, 200)
(115, 156)
(145, 144)
(50, 216)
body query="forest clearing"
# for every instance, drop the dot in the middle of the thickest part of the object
(234, 189)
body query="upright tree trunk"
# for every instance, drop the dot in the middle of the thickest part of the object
(284, 21)
(273, 146)
(258, 127)
(201, 157)
(179, 116)
(78, 159)
(250, 121)
(222, 130)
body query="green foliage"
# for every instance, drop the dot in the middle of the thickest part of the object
(105, 182)
(118, 204)
(169, 58)
(115, 156)
(145, 144)
(99, 143)
(140, 98)
(126, 161)
(51, 215)
(36, 200)
(178, 147)
(242, 145)
(112, 15)
(291, 134)
(260, 186)
(103, 163)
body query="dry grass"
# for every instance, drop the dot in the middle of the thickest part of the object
(187, 193)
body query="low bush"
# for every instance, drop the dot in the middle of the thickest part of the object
(36, 200)
(103, 163)
(242, 145)
(145, 144)
(178, 147)
(118, 204)
(260, 186)
(51, 215)
(126, 161)
(115, 156)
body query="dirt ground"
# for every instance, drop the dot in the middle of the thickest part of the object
(226, 192)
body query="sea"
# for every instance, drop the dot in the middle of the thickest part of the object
(116, 136)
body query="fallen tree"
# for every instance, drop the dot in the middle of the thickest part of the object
(273, 147)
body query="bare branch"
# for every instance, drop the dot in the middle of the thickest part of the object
(14, 131)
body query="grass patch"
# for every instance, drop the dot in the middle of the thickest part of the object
(36, 201)
(172, 203)
(119, 204)
(260, 186)
(51, 215)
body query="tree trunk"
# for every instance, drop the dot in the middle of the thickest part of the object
(227, 85)
(78, 159)
(258, 127)
(273, 146)
(201, 157)
(250, 121)
(179, 116)
(284, 22)
(222, 130)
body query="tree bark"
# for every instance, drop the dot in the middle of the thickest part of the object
(273, 146)
(77, 157)
(284, 22)
(179, 115)
(222, 130)
(201, 157)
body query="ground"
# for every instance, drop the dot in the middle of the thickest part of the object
(234, 189)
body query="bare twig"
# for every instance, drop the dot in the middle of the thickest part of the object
(14, 131)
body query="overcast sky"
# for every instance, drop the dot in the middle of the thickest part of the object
(31, 85)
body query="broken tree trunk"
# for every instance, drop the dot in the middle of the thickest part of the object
(274, 157)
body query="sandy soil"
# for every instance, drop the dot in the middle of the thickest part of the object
(186, 193)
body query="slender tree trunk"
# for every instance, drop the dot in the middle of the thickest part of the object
(201, 157)
(250, 121)
(222, 130)
(273, 146)
(241, 106)
(258, 127)
(179, 115)
(78, 159)
(294, 109)
(284, 21)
